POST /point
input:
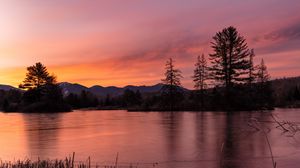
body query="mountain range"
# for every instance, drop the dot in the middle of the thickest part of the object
(101, 91)
(97, 90)
(279, 85)
(7, 87)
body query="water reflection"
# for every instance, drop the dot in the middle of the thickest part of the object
(179, 139)
(42, 131)
(243, 144)
(209, 136)
(171, 123)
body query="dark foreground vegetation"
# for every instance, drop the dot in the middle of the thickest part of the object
(229, 81)
(68, 162)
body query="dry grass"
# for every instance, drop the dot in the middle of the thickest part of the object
(68, 162)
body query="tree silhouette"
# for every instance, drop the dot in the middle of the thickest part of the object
(171, 83)
(200, 73)
(42, 93)
(36, 76)
(264, 86)
(131, 98)
(200, 76)
(229, 60)
(172, 75)
(252, 68)
(262, 74)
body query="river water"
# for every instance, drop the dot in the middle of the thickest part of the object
(160, 139)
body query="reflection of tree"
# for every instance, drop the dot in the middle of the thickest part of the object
(170, 122)
(219, 140)
(202, 136)
(42, 133)
(208, 135)
(201, 127)
(241, 143)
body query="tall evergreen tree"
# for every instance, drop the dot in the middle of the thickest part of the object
(200, 76)
(200, 73)
(172, 75)
(229, 61)
(230, 57)
(171, 83)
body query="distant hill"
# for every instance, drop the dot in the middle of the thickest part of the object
(75, 88)
(7, 87)
(101, 91)
(282, 87)
(291, 81)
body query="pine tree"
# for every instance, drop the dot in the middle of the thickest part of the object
(171, 83)
(200, 76)
(37, 76)
(229, 60)
(262, 74)
(230, 63)
(200, 73)
(42, 93)
(172, 75)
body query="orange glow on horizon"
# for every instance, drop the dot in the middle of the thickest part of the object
(87, 74)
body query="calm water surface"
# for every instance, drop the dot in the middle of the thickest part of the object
(181, 139)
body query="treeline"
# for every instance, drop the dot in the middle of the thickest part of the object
(287, 92)
(189, 100)
(229, 80)
(87, 99)
(236, 83)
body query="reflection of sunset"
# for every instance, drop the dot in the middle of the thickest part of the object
(12, 135)
(107, 44)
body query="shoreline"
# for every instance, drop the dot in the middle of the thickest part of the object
(154, 110)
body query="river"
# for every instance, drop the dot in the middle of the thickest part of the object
(160, 139)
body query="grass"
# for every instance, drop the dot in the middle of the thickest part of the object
(68, 162)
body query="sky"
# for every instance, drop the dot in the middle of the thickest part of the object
(127, 42)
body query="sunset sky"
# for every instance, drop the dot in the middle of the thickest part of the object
(128, 41)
